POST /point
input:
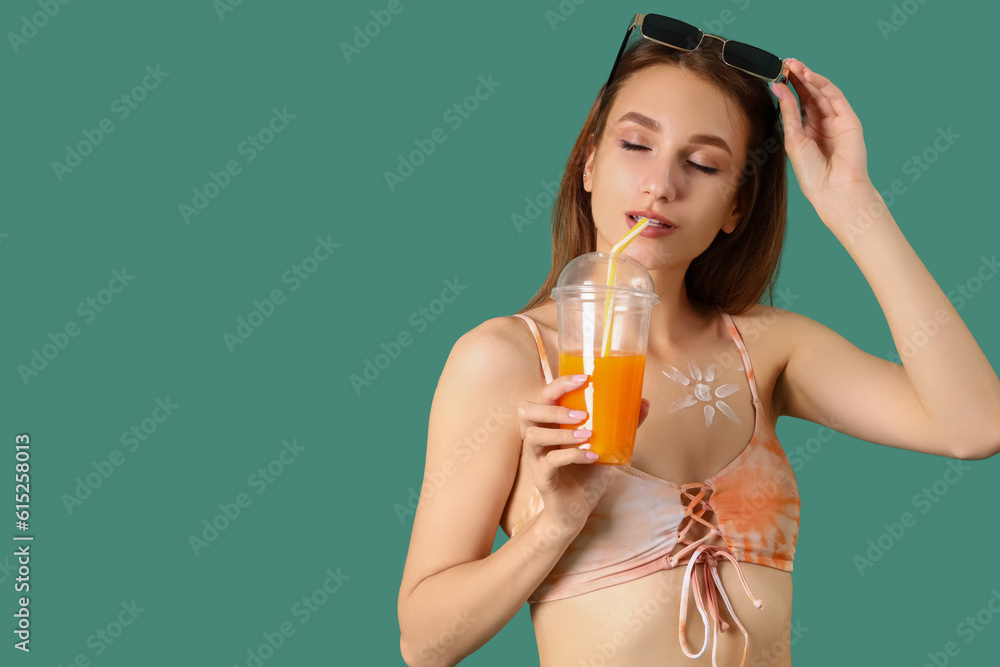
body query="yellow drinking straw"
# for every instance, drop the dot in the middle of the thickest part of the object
(612, 267)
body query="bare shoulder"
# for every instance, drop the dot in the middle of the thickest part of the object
(502, 349)
(497, 338)
(771, 336)
(765, 324)
(780, 328)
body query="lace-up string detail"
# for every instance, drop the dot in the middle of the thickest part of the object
(693, 496)
(695, 508)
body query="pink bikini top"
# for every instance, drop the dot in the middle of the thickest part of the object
(641, 523)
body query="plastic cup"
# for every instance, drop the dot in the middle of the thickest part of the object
(613, 393)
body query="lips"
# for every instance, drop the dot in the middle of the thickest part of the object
(653, 217)
(652, 230)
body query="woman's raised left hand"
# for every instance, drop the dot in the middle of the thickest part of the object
(824, 141)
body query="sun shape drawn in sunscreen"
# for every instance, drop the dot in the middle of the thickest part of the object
(702, 392)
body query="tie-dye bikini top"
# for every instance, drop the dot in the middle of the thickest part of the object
(747, 512)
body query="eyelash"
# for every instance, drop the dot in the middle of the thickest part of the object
(636, 147)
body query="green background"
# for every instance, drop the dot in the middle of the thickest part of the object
(335, 506)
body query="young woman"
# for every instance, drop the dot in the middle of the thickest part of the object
(692, 544)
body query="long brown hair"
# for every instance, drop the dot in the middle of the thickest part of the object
(736, 269)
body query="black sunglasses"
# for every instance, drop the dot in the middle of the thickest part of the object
(684, 36)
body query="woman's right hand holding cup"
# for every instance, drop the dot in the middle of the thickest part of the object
(569, 491)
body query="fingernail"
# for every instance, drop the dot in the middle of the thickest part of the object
(579, 378)
(774, 89)
(582, 433)
(577, 414)
(592, 456)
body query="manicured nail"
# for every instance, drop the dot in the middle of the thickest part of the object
(774, 89)
(582, 433)
(592, 456)
(579, 378)
(577, 414)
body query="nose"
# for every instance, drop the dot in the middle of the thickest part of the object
(662, 181)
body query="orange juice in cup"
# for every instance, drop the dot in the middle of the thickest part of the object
(612, 398)
(604, 303)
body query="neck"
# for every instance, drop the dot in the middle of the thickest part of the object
(675, 321)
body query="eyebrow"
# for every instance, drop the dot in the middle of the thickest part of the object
(651, 124)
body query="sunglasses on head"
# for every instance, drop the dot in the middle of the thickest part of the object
(684, 36)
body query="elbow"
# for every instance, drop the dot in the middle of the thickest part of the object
(971, 456)
(980, 454)
(423, 656)
(404, 650)
(413, 658)
(408, 650)
(980, 450)
(410, 653)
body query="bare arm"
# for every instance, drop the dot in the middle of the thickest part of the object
(455, 594)
(945, 398)
(453, 613)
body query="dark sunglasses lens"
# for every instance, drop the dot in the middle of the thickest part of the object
(752, 59)
(673, 32)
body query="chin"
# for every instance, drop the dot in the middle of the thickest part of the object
(649, 256)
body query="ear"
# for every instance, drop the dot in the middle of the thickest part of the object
(588, 168)
(735, 215)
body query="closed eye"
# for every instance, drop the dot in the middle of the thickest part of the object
(703, 168)
(632, 147)
(636, 147)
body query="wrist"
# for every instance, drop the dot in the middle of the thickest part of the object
(854, 211)
(846, 202)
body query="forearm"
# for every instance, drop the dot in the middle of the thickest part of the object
(953, 380)
(453, 613)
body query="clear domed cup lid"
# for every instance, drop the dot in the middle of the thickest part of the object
(589, 273)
